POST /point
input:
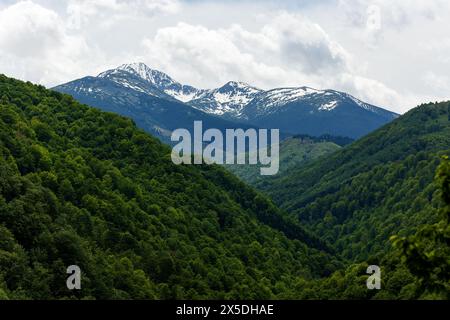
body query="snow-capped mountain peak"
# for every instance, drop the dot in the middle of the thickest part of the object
(236, 85)
(238, 88)
(155, 77)
(228, 100)
(140, 77)
(141, 70)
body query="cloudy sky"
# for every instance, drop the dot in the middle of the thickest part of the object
(392, 53)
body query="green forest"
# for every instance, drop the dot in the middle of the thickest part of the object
(79, 186)
(294, 152)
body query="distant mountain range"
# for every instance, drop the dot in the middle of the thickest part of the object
(160, 104)
(134, 96)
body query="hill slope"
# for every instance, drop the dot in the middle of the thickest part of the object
(80, 186)
(376, 187)
(294, 152)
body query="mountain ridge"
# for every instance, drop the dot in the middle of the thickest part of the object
(295, 110)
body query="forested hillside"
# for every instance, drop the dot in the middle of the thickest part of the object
(418, 267)
(294, 152)
(80, 186)
(378, 186)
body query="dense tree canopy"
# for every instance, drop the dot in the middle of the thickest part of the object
(427, 253)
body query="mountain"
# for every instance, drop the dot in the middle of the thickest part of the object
(165, 86)
(378, 186)
(83, 187)
(227, 101)
(294, 152)
(309, 111)
(142, 96)
(300, 110)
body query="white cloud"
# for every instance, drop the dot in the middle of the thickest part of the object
(289, 50)
(369, 90)
(111, 11)
(437, 83)
(203, 57)
(304, 44)
(398, 14)
(34, 44)
(26, 25)
(287, 44)
(409, 42)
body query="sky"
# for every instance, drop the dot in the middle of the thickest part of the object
(391, 53)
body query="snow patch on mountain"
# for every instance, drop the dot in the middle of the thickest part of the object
(328, 106)
(83, 89)
(229, 99)
(278, 97)
(182, 95)
(362, 104)
(235, 94)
